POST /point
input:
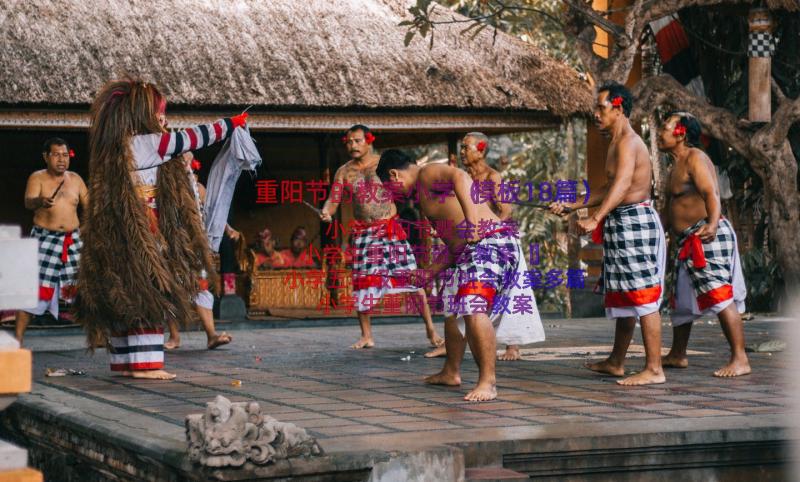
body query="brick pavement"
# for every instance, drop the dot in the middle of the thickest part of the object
(308, 377)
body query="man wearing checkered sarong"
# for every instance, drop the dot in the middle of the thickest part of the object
(54, 194)
(634, 249)
(382, 257)
(708, 273)
(486, 300)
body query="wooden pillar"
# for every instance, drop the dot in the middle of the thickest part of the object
(759, 52)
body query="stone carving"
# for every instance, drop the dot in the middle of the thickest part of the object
(230, 434)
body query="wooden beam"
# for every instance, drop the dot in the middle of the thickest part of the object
(297, 122)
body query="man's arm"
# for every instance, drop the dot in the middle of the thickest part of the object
(33, 195)
(626, 163)
(83, 194)
(504, 208)
(330, 206)
(703, 179)
(596, 196)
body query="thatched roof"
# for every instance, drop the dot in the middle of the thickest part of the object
(790, 5)
(328, 55)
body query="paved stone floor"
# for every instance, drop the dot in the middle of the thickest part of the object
(373, 397)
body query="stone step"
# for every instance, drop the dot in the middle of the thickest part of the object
(493, 474)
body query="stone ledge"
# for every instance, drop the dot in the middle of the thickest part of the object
(80, 439)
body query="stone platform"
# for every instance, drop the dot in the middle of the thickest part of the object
(376, 420)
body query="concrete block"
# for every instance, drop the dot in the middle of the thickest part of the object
(229, 307)
(12, 457)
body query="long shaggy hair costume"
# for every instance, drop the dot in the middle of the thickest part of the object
(132, 276)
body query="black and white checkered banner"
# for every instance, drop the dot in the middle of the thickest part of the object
(761, 44)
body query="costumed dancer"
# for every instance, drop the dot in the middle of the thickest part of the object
(629, 228)
(484, 303)
(709, 279)
(143, 241)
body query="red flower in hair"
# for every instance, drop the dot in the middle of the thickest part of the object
(71, 153)
(369, 138)
(680, 130)
(616, 101)
(196, 165)
(481, 146)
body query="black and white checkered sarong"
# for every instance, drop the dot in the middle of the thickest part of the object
(632, 237)
(718, 255)
(376, 251)
(52, 269)
(493, 260)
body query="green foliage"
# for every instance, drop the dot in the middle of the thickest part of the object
(541, 157)
(534, 21)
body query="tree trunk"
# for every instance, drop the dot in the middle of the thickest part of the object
(784, 213)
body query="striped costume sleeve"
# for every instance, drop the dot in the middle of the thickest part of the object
(178, 142)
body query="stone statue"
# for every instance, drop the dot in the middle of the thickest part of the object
(231, 434)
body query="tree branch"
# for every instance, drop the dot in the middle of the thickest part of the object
(776, 89)
(661, 90)
(787, 113)
(595, 17)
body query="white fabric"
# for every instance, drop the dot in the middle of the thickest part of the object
(686, 309)
(238, 154)
(50, 305)
(204, 299)
(510, 329)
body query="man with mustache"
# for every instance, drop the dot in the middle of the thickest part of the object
(53, 194)
(381, 252)
(634, 248)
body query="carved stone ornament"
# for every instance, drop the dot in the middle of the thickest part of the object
(230, 434)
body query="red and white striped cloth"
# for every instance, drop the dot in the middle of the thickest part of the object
(152, 150)
(137, 350)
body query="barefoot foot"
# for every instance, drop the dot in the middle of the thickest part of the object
(606, 366)
(482, 393)
(674, 361)
(444, 378)
(218, 340)
(735, 368)
(435, 340)
(436, 352)
(172, 344)
(150, 374)
(363, 343)
(644, 377)
(511, 354)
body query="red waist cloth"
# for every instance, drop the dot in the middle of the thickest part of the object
(484, 290)
(597, 234)
(693, 247)
(68, 241)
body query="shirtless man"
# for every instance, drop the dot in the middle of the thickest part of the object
(484, 262)
(709, 276)
(53, 194)
(474, 148)
(377, 230)
(634, 249)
